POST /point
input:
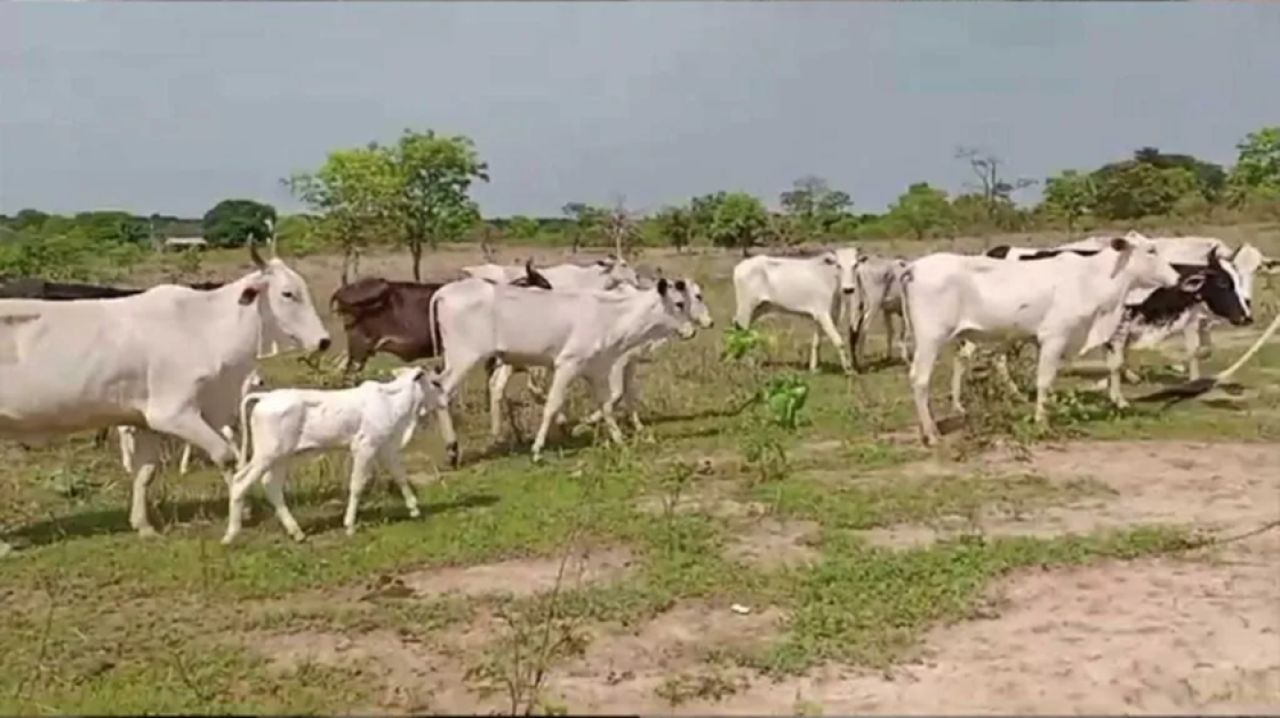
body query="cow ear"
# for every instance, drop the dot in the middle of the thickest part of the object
(1121, 244)
(249, 294)
(662, 286)
(1193, 283)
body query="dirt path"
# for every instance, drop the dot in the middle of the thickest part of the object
(1189, 634)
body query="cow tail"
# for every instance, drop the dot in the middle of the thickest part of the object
(906, 278)
(243, 458)
(433, 318)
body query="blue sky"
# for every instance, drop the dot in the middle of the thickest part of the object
(173, 106)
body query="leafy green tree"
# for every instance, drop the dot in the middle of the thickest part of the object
(236, 222)
(29, 219)
(112, 226)
(1258, 165)
(922, 210)
(587, 220)
(814, 206)
(436, 173)
(1069, 195)
(524, 228)
(702, 214)
(358, 194)
(676, 225)
(740, 220)
(1140, 189)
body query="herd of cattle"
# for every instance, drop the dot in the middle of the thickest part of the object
(181, 360)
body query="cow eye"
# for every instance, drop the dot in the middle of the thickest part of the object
(290, 295)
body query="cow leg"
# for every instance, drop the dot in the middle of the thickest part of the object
(535, 388)
(389, 457)
(1191, 338)
(824, 321)
(888, 334)
(959, 363)
(184, 465)
(1115, 357)
(273, 485)
(564, 374)
(921, 371)
(145, 448)
(497, 392)
(189, 426)
(128, 446)
(629, 394)
(1046, 370)
(361, 469)
(813, 351)
(608, 391)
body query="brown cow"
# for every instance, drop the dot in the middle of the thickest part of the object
(382, 315)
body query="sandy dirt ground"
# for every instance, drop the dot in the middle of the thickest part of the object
(1192, 634)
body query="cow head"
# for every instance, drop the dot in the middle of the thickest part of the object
(1218, 286)
(283, 295)
(618, 271)
(1141, 260)
(1246, 260)
(682, 306)
(847, 261)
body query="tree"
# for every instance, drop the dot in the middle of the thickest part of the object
(992, 186)
(740, 220)
(111, 227)
(620, 227)
(29, 219)
(235, 222)
(586, 219)
(358, 193)
(702, 213)
(522, 227)
(436, 173)
(1140, 189)
(814, 205)
(1069, 195)
(676, 225)
(921, 210)
(1258, 165)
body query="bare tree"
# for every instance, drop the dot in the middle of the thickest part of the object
(620, 226)
(993, 186)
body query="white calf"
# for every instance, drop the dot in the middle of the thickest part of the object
(880, 292)
(804, 286)
(374, 420)
(1069, 303)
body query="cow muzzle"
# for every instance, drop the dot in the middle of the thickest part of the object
(324, 344)
(848, 290)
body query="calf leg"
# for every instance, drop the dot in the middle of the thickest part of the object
(390, 458)
(564, 374)
(144, 457)
(244, 478)
(1191, 338)
(361, 469)
(273, 484)
(1046, 370)
(608, 390)
(184, 465)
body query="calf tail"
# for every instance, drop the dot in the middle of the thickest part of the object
(245, 411)
(905, 279)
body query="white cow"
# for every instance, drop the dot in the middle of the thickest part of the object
(603, 274)
(621, 374)
(578, 333)
(803, 286)
(880, 292)
(374, 420)
(1069, 303)
(128, 434)
(170, 360)
(1243, 263)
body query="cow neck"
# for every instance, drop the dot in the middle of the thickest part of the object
(1111, 289)
(236, 326)
(640, 322)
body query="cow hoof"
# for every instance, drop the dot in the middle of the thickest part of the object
(301, 537)
(537, 458)
(350, 531)
(147, 532)
(415, 513)
(227, 539)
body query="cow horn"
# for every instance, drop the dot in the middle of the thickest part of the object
(258, 261)
(1232, 258)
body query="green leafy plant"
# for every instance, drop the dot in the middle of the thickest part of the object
(785, 396)
(740, 343)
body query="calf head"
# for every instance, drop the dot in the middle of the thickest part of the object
(1140, 259)
(428, 392)
(288, 307)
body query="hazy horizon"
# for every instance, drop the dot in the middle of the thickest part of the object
(167, 107)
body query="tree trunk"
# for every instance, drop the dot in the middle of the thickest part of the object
(347, 254)
(415, 251)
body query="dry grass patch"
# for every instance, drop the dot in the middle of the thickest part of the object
(770, 543)
(520, 577)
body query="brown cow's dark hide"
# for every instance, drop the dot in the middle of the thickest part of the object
(381, 315)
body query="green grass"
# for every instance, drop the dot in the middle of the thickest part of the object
(99, 621)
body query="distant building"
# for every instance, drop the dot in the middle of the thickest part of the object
(185, 243)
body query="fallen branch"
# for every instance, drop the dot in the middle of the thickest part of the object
(1199, 387)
